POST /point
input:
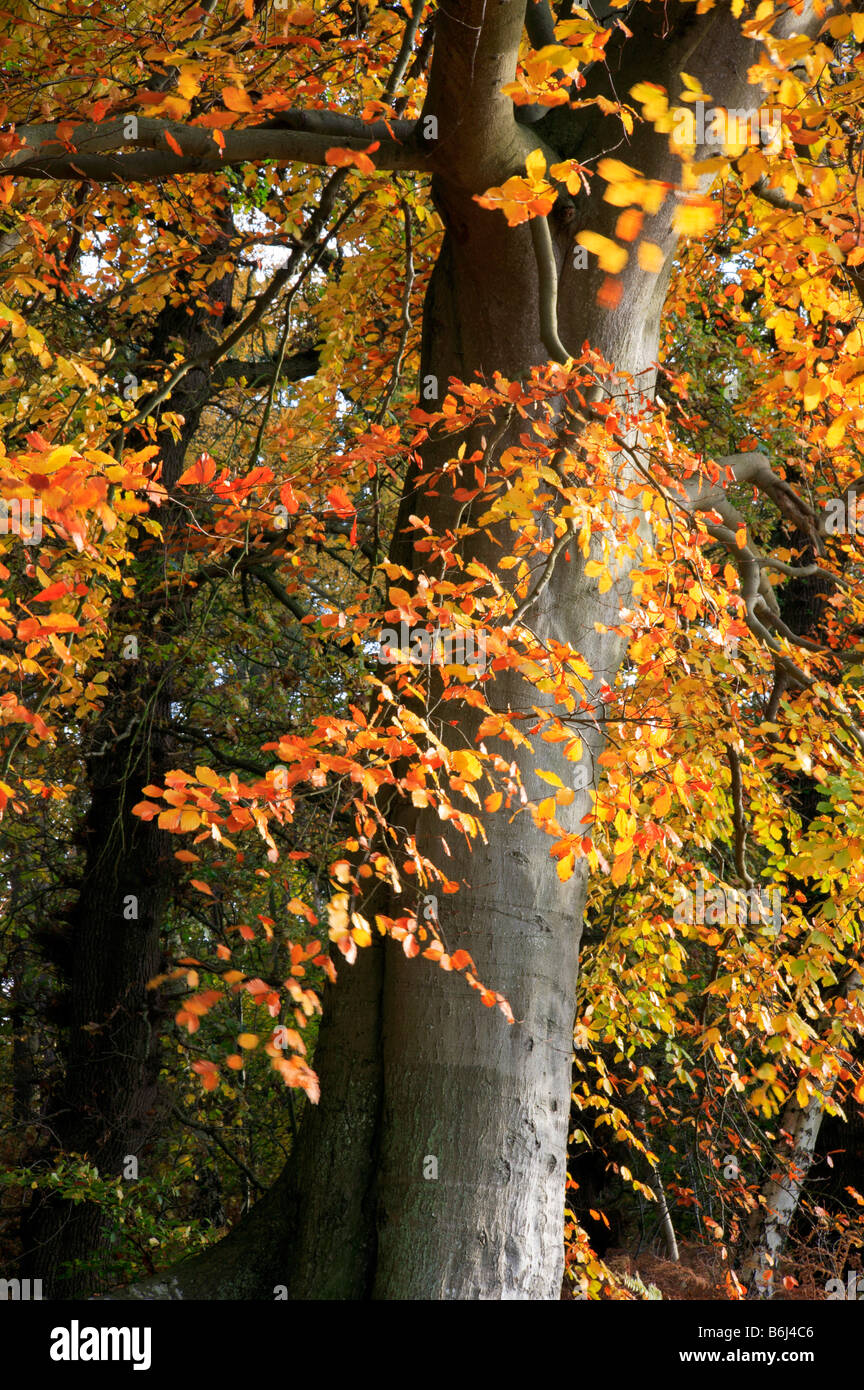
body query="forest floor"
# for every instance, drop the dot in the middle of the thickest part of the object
(701, 1275)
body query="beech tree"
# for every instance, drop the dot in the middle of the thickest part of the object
(457, 374)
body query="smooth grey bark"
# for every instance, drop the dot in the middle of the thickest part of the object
(440, 1076)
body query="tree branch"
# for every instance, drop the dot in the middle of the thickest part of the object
(547, 275)
(540, 23)
(405, 49)
(105, 153)
(256, 374)
(739, 820)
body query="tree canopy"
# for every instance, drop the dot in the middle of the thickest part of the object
(432, 437)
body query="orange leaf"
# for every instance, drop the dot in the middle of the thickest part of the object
(236, 99)
(460, 959)
(201, 471)
(286, 496)
(343, 158)
(209, 1074)
(609, 293)
(340, 502)
(629, 224)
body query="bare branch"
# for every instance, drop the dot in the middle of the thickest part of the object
(548, 571)
(257, 374)
(739, 820)
(405, 49)
(547, 275)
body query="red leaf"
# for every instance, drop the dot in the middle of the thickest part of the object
(53, 591)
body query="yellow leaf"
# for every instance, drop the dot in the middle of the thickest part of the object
(566, 866)
(247, 1040)
(179, 820)
(615, 171)
(208, 777)
(611, 256)
(337, 915)
(58, 458)
(695, 219)
(466, 765)
(535, 165)
(188, 84)
(360, 930)
(812, 393)
(662, 802)
(835, 433)
(651, 257)
(550, 777)
(692, 83)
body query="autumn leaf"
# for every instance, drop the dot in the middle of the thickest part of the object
(340, 502)
(611, 256)
(209, 1074)
(342, 158)
(236, 99)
